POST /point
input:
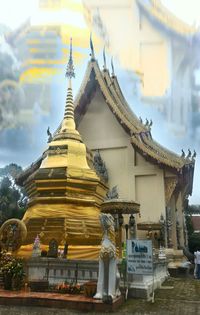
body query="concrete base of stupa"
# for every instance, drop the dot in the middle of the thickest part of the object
(59, 270)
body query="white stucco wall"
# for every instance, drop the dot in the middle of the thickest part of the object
(135, 178)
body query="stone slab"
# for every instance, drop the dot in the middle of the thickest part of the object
(56, 300)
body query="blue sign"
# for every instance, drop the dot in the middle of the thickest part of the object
(139, 257)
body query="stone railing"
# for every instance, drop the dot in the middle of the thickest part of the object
(57, 270)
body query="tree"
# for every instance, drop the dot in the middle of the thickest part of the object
(11, 170)
(192, 209)
(193, 238)
(189, 225)
(13, 199)
(194, 242)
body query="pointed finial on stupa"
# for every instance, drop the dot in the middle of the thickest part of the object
(68, 127)
(70, 66)
(91, 48)
(68, 124)
(69, 107)
(112, 66)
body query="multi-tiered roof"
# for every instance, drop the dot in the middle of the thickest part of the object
(139, 133)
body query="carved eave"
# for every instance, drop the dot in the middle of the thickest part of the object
(151, 149)
(158, 13)
(161, 154)
(153, 152)
(117, 88)
(117, 95)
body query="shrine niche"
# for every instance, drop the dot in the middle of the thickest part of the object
(53, 248)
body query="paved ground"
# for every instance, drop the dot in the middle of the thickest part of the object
(178, 296)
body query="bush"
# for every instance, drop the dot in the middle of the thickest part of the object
(12, 270)
(193, 242)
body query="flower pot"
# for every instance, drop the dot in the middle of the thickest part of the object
(90, 288)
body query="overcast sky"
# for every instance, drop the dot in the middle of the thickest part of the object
(188, 10)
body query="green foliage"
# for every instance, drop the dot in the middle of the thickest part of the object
(193, 238)
(189, 225)
(11, 265)
(11, 170)
(12, 198)
(192, 209)
(12, 269)
(194, 242)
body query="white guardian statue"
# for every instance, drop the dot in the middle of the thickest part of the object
(108, 279)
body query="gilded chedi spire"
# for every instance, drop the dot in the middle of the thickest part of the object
(68, 127)
(64, 192)
(66, 147)
(69, 108)
(70, 66)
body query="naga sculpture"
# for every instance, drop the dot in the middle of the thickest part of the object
(108, 279)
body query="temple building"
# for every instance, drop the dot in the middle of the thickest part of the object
(160, 48)
(143, 170)
(67, 185)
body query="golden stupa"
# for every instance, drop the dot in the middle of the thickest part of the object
(65, 194)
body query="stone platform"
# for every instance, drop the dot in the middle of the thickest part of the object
(56, 300)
